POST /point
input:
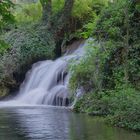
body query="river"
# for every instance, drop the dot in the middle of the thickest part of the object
(56, 123)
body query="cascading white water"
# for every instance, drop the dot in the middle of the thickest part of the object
(47, 82)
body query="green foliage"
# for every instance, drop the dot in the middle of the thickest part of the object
(88, 27)
(110, 69)
(84, 73)
(5, 13)
(3, 47)
(125, 105)
(26, 46)
(120, 106)
(31, 43)
(120, 23)
(82, 7)
(89, 72)
(108, 25)
(3, 92)
(6, 16)
(114, 19)
(57, 5)
(88, 13)
(138, 7)
(31, 12)
(118, 57)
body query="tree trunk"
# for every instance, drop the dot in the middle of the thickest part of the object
(126, 48)
(56, 24)
(46, 10)
(61, 19)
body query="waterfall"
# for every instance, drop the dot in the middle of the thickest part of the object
(47, 82)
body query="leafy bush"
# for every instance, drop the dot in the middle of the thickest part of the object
(82, 7)
(84, 72)
(111, 70)
(5, 13)
(3, 47)
(32, 42)
(88, 13)
(26, 46)
(90, 71)
(120, 106)
(120, 24)
(109, 25)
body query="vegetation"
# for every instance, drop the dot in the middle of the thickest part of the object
(38, 36)
(6, 18)
(119, 106)
(28, 13)
(110, 70)
(27, 43)
(5, 13)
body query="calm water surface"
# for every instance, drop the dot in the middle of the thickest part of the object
(50, 123)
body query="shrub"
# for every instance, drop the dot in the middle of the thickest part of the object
(109, 71)
(3, 47)
(85, 72)
(26, 46)
(90, 71)
(6, 16)
(32, 43)
(121, 106)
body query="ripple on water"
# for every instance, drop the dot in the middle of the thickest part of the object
(53, 123)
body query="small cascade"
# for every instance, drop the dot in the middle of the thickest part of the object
(47, 82)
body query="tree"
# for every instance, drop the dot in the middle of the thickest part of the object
(126, 43)
(119, 24)
(57, 22)
(5, 12)
(46, 9)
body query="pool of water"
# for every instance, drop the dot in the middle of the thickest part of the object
(51, 123)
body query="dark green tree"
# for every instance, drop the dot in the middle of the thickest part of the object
(120, 24)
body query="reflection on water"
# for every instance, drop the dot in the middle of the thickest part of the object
(50, 123)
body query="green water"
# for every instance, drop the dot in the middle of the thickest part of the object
(50, 123)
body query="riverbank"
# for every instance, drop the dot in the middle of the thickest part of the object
(119, 107)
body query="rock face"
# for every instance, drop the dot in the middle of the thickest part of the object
(72, 46)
